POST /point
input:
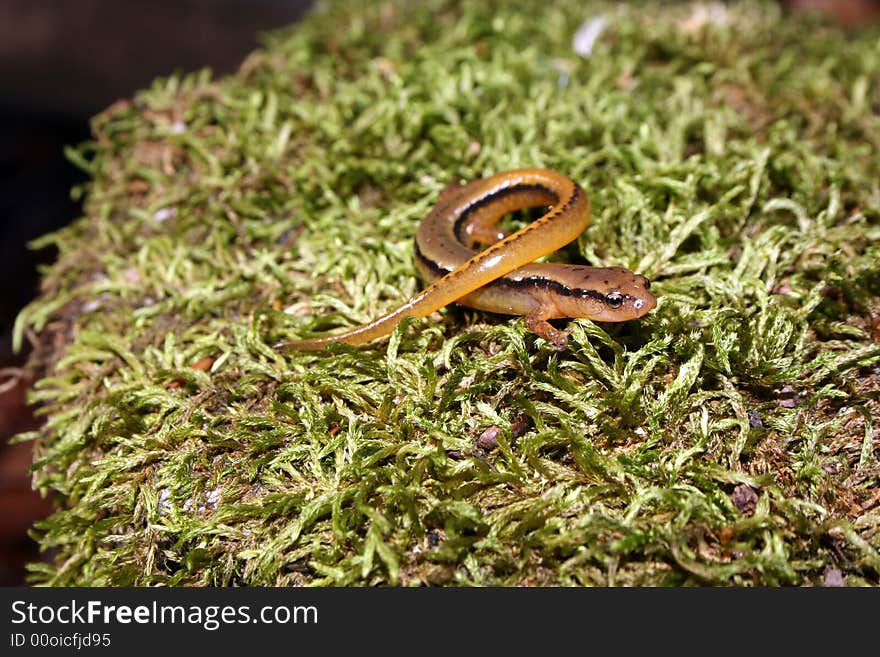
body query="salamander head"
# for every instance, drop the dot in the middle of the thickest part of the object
(611, 294)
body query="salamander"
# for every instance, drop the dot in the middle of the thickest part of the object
(503, 278)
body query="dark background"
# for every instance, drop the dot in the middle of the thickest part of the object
(61, 63)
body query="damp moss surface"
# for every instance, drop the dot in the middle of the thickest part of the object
(730, 437)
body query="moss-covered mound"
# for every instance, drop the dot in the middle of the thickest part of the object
(730, 437)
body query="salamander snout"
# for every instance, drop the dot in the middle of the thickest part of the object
(611, 294)
(628, 296)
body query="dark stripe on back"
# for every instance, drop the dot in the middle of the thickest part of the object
(533, 282)
(429, 264)
(539, 282)
(493, 197)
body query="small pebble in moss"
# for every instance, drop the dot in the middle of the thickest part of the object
(745, 498)
(833, 577)
(488, 440)
(438, 575)
(755, 420)
(520, 427)
(788, 397)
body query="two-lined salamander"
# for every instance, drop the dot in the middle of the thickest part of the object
(499, 278)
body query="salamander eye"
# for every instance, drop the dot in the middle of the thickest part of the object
(614, 299)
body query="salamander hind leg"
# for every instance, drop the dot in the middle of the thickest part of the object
(536, 322)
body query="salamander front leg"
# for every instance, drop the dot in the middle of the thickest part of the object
(536, 322)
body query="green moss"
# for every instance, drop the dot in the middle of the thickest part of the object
(727, 438)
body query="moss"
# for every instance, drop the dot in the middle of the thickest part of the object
(728, 438)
